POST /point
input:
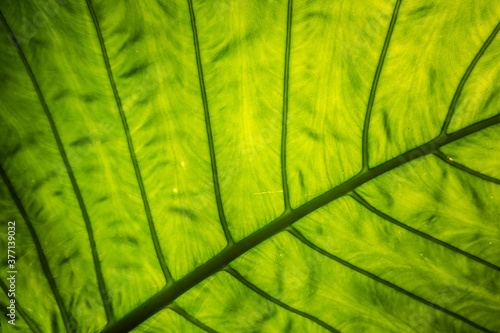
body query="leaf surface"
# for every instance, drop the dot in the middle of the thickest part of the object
(240, 166)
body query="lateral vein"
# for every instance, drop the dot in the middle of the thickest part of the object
(21, 311)
(462, 167)
(95, 258)
(154, 236)
(276, 301)
(305, 241)
(373, 90)
(181, 312)
(465, 77)
(286, 195)
(215, 176)
(39, 251)
(374, 210)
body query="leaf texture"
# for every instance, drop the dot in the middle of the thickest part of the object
(251, 166)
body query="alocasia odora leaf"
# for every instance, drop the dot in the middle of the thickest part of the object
(251, 166)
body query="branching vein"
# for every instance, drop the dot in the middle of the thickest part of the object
(374, 210)
(97, 266)
(215, 176)
(462, 167)
(286, 194)
(468, 72)
(276, 301)
(20, 310)
(131, 149)
(373, 90)
(39, 251)
(181, 312)
(300, 237)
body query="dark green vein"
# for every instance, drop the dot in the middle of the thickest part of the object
(131, 149)
(304, 240)
(373, 90)
(462, 167)
(468, 72)
(215, 176)
(276, 301)
(374, 210)
(43, 260)
(286, 195)
(97, 266)
(181, 312)
(20, 310)
(168, 294)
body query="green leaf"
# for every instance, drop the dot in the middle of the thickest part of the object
(251, 166)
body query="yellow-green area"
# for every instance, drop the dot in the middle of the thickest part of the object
(251, 166)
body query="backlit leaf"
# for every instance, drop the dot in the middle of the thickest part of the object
(250, 166)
